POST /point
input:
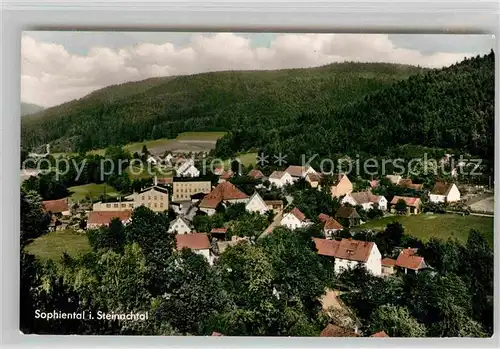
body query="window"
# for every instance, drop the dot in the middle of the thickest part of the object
(108, 205)
(143, 197)
(124, 205)
(130, 205)
(156, 197)
(149, 197)
(156, 205)
(115, 205)
(161, 204)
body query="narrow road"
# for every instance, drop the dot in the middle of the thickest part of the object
(275, 223)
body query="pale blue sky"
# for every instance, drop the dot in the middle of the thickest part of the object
(79, 42)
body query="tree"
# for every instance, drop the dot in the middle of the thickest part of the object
(478, 269)
(396, 321)
(34, 222)
(193, 293)
(111, 237)
(401, 206)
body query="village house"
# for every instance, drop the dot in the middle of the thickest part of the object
(256, 204)
(56, 207)
(225, 176)
(153, 160)
(444, 192)
(407, 260)
(183, 189)
(394, 179)
(348, 216)
(330, 225)
(218, 233)
(180, 226)
(365, 199)
(274, 205)
(408, 183)
(195, 198)
(187, 169)
(280, 178)
(225, 192)
(388, 266)
(350, 253)
(114, 205)
(154, 198)
(341, 186)
(164, 181)
(256, 174)
(197, 242)
(98, 219)
(295, 219)
(299, 171)
(314, 180)
(413, 205)
(380, 334)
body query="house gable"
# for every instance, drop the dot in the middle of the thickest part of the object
(256, 204)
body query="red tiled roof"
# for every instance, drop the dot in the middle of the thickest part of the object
(298, 214)
(347, 212)
(255, 174)
(218, 230)
(441, 188)
(353, 250)
(194, 241)
(414, 202)
(56, 206)
(165, 180)
(277, 174)
(364, 197)
(296, 171)
(105, 217)
(330, 222)
(313, 177)
(408, 259)
(227, 174)
(388, 262)
(332, 330)
(380, 334)
(407, 183)
(223, 191)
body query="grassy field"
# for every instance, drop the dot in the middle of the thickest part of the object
(94, 190)
(164, 142)
(246, 159)
(52, 245)
(200, 136)
(441, 226)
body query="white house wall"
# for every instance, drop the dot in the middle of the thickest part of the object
(454, 194)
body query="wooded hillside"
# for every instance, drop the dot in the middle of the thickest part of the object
(220, 101)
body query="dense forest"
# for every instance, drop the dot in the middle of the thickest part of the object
(450, 108)
(219, 101)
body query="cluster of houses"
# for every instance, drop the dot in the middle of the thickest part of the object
(349, 254)
(187, 194)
